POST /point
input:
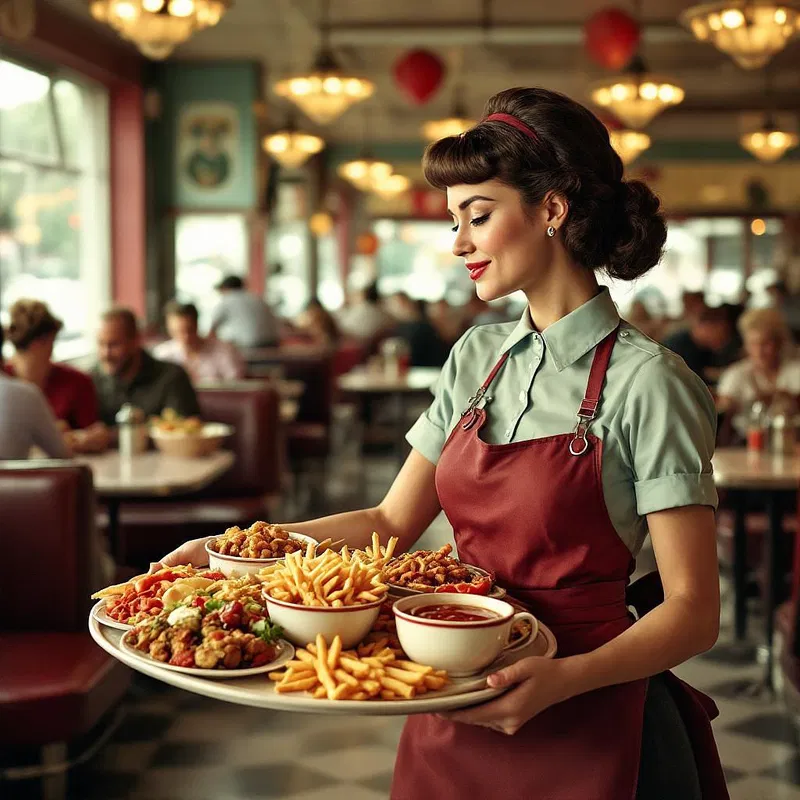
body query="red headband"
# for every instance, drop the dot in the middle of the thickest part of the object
(514, 122)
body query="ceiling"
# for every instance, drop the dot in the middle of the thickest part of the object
(532, 43)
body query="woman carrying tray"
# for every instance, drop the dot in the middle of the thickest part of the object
(554, 445)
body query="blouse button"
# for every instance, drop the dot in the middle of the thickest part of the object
(624, 334)
(523, 396)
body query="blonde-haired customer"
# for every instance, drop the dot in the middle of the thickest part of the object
(770, 366)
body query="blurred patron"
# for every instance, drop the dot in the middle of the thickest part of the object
(26, 420)
(126, 373)
(317, 325)
(770, 368)
(446, 321)
(32, 330)
(364, 319)
(207, 360)
(640, 316)
(708, 333)
(243, 319)
(425, 347)
(788, 304)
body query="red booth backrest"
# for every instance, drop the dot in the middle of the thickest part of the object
(255, 415)
(50, 555)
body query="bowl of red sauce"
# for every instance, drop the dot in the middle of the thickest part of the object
(463, 634)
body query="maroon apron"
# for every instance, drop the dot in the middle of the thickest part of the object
(533, 512)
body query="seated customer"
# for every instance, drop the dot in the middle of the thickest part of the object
(425, 346)
(126, 373)
(206, 360)
(243, 318)
(26, 420)
(32, 330)
(770, 368)
(709, 332)
(317, 325)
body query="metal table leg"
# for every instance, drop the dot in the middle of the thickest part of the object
(774, 576)
(740, 565)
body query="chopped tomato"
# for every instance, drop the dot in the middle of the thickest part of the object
(185, 658)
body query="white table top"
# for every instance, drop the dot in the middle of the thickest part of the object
(153, 474)
(417, 379)
(736, 468)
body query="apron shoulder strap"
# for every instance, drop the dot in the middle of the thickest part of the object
(591, 398)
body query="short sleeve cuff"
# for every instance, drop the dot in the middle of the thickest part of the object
(675, 491)
(426, 438)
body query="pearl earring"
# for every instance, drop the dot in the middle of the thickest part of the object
(551, 231)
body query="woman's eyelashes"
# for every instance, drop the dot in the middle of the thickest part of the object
(474, 222)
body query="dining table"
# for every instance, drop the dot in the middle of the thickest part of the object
(149, 475)
(771, 479)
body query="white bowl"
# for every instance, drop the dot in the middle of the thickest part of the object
(191, 445)
(461, 648)
(301, 624)
(234, 566)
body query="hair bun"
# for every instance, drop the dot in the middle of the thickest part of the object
(637, 232)
(29, 320)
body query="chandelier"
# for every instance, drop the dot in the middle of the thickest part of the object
(629, 144)
(325, 93)
(292, 148)
(769, 143)
(637, 97)
(157, 27)
(750, 31)
(366, 172)
(392, 186)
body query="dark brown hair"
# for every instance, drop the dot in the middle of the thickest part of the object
(176, 309)
(125, 317)
(612, 225)
(30, 320)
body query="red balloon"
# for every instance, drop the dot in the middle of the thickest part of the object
(418, 74)
(611, 37)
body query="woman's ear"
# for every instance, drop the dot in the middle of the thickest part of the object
(556, 208)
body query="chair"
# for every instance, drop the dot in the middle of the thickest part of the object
(56, 684)
(249, 491)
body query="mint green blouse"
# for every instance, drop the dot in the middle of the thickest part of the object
(656, 418)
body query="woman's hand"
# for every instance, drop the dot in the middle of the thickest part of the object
(540, 683)
(192, 552)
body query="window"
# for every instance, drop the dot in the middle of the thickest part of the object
(207, 248)
(54, 198)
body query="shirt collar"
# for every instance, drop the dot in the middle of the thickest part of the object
(574, 335)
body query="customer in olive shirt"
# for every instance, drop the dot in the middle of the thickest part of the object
(126, 373)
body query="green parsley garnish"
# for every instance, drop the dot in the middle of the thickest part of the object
(266, 630)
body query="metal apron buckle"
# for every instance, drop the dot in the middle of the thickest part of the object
(580, 444)
(472, 408)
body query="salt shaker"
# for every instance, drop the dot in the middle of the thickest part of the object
(132, 434)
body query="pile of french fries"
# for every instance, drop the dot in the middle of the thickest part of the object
(372, 672)
(331, 580)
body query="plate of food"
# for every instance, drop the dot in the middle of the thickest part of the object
(238, 551)
(126, 604)
(210, 637)
(187, 437)
(425, 571)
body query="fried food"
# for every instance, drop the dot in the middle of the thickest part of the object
(335, 674)
(208, 634)
(172, 422)
(260, 540)
(331, 579)
(435, 570)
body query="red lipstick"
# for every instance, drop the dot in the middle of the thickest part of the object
(477, 268)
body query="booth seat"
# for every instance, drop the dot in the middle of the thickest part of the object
(56, 683)
(249, 491)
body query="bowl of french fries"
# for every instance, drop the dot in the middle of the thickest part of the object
(332, 593)
(180, 437)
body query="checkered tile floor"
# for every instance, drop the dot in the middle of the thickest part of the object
(177, 746)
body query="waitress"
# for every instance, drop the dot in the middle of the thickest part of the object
(555, 445)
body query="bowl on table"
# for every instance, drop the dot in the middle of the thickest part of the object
(183, 444)
(301, 624)
(235, 566)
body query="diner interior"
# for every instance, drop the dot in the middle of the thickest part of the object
(223, 200)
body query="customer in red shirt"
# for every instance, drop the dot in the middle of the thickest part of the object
(32, 330)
